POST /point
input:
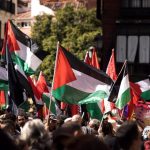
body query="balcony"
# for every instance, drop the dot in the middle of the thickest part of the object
(7, 6)
(135, 13)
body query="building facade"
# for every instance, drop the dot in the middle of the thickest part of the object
(55, 4)
(8, 10)
(126, 28)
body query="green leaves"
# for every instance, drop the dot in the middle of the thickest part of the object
(75, 29)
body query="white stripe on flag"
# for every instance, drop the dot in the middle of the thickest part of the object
(124, 86)
(3, 74)
(144, 85)
(87, 84)
(25, 54)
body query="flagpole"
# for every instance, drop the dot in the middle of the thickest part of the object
(122, 112)
(102, 120)
(53, 81)
(122, 67)
(119, 74)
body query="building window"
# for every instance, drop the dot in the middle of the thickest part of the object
(136, 3)
(130, 46)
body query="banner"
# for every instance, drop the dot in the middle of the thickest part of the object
(142, 112)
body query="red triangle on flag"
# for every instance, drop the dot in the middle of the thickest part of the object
(10, 39)
(12, 42)
(111, 69)
(63, 71)
(41, 84)
(95, 62)
(2, 98)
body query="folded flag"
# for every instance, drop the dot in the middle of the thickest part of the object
(111, 68)
(94, 109)
(3, 79)
(120, 90)
(19, 87)
(124, 91)
(41, 84)
(76, 82)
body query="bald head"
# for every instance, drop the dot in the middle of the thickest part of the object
(77, 119)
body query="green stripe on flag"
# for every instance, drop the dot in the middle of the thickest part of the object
(94, 110)
(146, 95)
(46, 100)
(69, 95)
(72, 95)
(94, 97)
(25, 106)
(4, 85)
(124, 99)
(24, 66)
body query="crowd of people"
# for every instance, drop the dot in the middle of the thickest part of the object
(27, 132)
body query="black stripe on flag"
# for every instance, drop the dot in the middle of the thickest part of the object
(26, 40)
(115, 87)
(86, 69)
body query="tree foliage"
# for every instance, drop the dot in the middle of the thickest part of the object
(75, 29)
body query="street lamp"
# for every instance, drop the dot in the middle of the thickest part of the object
(98, 42)
(99, 45)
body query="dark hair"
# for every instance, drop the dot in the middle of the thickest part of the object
(107, 128)
(88, 142)
(127, 133)
(6, 142)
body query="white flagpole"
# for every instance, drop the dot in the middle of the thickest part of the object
(53, 80)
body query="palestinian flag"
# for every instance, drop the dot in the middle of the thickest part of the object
(41, 84)
(111, 68)
(95, 62)
(145, 88)
(3, 79)
(20, 45)
(19, 87)
(124, 91)
(46, 100)
(94, 109)
(76, 82)
(44, 91)
(37, 94)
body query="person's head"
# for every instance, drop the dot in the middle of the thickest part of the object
(77, 119)
(32, 129)
(109, 114)
(63, 134)
(73, 128)
(35, 135)
(111, 142)
(8, 126)
(94, 124)
(107, 128)
(87, 142)
(128, 136)
(21, 119)
(60, 120)
(6, 142)
(52, 123)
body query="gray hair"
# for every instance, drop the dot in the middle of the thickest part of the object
(32, 130)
